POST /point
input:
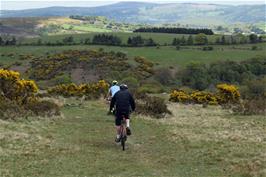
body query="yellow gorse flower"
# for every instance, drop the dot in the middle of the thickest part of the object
(14, 88)
(93, 89)
(226, 94)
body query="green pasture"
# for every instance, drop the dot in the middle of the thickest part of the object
(164, 56)
(160, 38)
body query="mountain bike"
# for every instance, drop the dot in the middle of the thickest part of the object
(123, 133)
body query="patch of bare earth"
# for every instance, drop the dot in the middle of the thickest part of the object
(79, 75)
(20, 69)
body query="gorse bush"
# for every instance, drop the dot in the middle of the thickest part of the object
(180, 96)
(93, 90)
(100, 62)
(226, 94)
(18, 97)
(144, 68)
(80, 65)
(200, 97)
(16, 89)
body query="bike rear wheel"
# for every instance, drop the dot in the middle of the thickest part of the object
(123, 142)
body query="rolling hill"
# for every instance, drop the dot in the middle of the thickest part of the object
(140, 12)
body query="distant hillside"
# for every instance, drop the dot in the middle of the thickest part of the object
(139, 12)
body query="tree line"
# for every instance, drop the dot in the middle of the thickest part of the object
(201, 76)
(174, 30)
(103, 39)
(139, 41)
(202, 39)
(8, 41)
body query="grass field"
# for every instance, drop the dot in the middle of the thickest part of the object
(86, 28)
(165, 56)
(160, 38)
(194, 141)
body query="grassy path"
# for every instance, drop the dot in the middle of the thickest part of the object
(82, 144)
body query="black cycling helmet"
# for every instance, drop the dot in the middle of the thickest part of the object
(123, 86)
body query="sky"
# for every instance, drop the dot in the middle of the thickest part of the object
(30, 4)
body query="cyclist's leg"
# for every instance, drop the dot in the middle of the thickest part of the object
(126, 116)
(118, 120)
(127, 123)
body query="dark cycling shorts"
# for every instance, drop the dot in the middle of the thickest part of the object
(119, 117)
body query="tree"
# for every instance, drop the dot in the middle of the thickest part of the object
(253, 38)
(105, 39)
(201, 39)
(68, 40)
(243, 39)
(190, 40)
(87, 41)
(136, 41)
(183, 40)
(150, 42)
(233, 41)
(260, 39)
(176, 41)
(129, 41)
(1, 41)
(39, 42)
(196, 76)
(223, 40)
(174, 30)
(13, 41)
(217, 41)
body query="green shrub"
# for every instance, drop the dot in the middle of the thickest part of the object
(254, 48)
(11, 109)
(132, 83)
(44, 108)
(254, 89)
(164, 76)
(207, 48)
(152, 106)
(150, 88)
(61, 79)
(254, 106)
